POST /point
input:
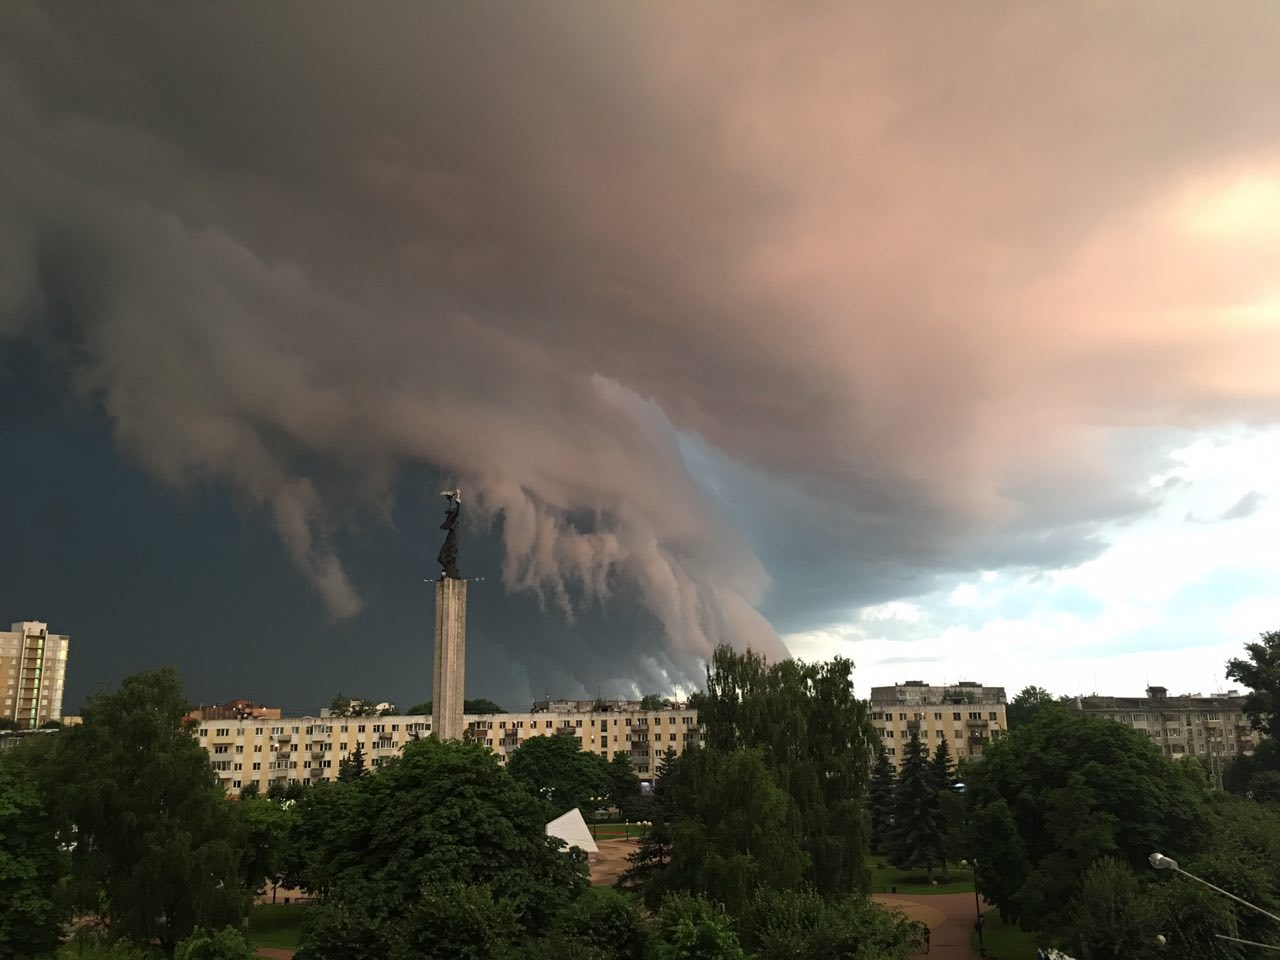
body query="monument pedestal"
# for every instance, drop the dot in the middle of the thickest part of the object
(451, 650)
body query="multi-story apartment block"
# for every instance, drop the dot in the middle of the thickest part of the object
(1214, 728)
(967, 715)
(311, 748)
(33, 666)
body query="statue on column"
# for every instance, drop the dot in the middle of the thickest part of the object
(448, 556)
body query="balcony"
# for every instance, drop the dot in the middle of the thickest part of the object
(979, 722)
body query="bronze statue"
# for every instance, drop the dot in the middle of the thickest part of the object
(448, 556)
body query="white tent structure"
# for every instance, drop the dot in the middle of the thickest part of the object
(572, 829)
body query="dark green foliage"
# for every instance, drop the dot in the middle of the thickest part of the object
(7, 724)
(944, 775)
(817, 740)
(267, 827)
(158, 847)
(344, 929)
(1062, 791)
(916, 837)
(225, 944)
(250, 791)
(1241, 769)
(800, 924)
(458, 922)
(351, 767)
(443, 812)
(1023, 708)
(479, 705)
(343, 706)
(653, 852)
(30, 866)
(557, 770)
(1261, 674)
(734, 830)
(880, 800)
(691, 928)
(606, 921)
(624, 787)
(651, 701)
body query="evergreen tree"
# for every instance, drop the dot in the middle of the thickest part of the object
(916, 837)
(944, 776)
(351, 767)
(654, 849)
(880, 798)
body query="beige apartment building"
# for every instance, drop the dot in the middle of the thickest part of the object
(966, 714)
(1214, 728)
(311, 748)
(33, 666)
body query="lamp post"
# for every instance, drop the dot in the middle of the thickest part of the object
(1161, 862)
(977, 906)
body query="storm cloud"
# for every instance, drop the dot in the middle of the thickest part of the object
(715, 311)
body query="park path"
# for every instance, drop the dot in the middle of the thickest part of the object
(275, 953)
(949, 917)
(610, 861)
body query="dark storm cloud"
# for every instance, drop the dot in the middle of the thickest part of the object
(906, 281)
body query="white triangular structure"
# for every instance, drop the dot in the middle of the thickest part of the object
(572, 829)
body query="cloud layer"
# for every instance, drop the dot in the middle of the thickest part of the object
(716, 310)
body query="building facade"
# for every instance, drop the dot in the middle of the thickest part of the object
(1214, 728)
(234, 710)
(33, 666)
(967, 715)
(312, 748)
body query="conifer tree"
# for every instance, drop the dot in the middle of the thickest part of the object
(880, 799)
(916, 837)
(944, 775)
(654, 850)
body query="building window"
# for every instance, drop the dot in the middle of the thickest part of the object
(991, 715)
(937, 716)
(955, 716)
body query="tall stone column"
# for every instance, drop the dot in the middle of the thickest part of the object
(451, 652)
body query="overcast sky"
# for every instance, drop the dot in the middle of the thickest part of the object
(944, 337)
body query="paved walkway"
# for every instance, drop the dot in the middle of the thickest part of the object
(610, 861)
(275, 953)
(950, 918)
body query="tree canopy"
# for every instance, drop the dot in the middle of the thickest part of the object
(817, 740)
(916, 837)
(1023, 708)
(157, 847)
(557, 770)
(1260, 672)
(480, 705)
(30, 867)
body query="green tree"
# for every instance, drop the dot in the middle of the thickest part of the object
(1112, 918)
(916, 837)
(653, 852)
(818, 742)
(944, 776)
(250, 791)
(225, 944)
(1261, 674)
(424, 709)
(734, 830)
(606, 921)
(690, 928)
(651, 701)
(268, 825)
(796, 924)
(1023, 708)
(351, 767)
(458, 922)
(340, 705)
(557, 770)
(344, 929)
(30, 866)
(624, 786)
(158, 848)
(480, 705)
(1074, 788)
(441, 813)
(880, 799)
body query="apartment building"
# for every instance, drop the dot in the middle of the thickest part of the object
(33, 666)
(966, 714)
(311, 748)
(1213, 728)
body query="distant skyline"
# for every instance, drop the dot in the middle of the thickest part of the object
(944, 339)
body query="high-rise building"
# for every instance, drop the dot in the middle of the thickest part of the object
(33, 666)
(966, 714)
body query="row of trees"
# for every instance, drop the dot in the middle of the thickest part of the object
(916, 815)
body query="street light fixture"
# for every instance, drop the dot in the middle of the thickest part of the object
(1161, 862)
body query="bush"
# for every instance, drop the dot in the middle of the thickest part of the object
(459, 922)
(607, 921)
(782, 924)
(227, 944)
(690, 928)
(88, 948)
(337, 930)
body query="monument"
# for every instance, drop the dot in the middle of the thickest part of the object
(451, 630)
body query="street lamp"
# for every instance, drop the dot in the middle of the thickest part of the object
(1161, 862)
(977, 906)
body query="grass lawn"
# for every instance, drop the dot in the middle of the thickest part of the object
(1002, 942)
(608, 831)
(276, 924)
(885, 878)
